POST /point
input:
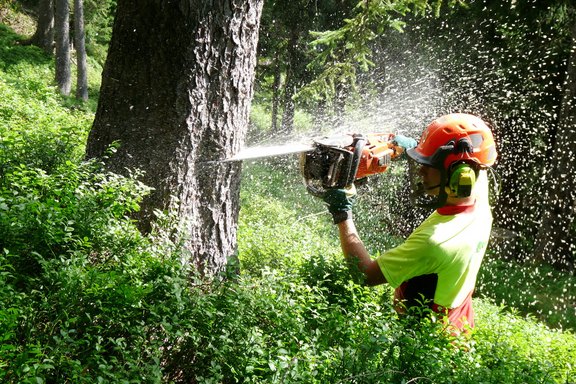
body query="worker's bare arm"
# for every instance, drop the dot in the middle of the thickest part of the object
(356, 253)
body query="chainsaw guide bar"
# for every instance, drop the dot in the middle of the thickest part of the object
(275, 150)
(334, 162)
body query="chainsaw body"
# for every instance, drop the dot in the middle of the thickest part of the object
(336, 162)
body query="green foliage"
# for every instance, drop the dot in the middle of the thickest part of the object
(36, 129)
(14, 54)
(85, 321)
(377, 346)
(343, 52)
(507, 347)
(44, 216)
(69, 255)
(265, 198)
(99, 19)
(541, 291)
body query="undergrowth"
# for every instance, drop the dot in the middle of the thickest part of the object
(505, 347)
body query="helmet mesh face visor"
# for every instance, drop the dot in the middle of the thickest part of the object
(423, 193)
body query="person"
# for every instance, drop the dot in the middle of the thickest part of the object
(438, 263)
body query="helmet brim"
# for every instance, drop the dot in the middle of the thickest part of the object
(418, 157)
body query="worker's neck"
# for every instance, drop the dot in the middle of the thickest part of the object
(460, 201)
(457, 206)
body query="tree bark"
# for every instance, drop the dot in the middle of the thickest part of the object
(276, 92)
(554, 241)
(290, 85)
(44, 35)
(62, 34)
(80, 42)
(176, 93)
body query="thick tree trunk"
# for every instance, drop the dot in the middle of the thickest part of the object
(176, 93)
(44, 35)
(554, 241)
(62, 34)
(80, 40)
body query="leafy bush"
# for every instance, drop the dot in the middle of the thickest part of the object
(44, 216)
(282, 225)
(69, 255)
(508, 347)
(83, 291)
(276, 329)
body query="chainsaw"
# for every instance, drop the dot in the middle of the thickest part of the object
(337, 161)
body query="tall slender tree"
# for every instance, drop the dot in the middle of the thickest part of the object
(62, 34)
(80, 43)
(176, 93)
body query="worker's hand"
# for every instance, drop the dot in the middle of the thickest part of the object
(340, 202)
(404, 141)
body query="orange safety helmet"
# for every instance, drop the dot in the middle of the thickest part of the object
(457, 144)
(455, 137)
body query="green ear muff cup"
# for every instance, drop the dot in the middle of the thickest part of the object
(462, 179)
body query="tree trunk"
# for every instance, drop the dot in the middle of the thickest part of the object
(276, 92)
(62, 33)
(554, 241)
(289, 108)
(290, 85)
(43, 37)
(80, 40)
(176, 94)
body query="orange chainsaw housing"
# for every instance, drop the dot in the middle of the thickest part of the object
(377, 154)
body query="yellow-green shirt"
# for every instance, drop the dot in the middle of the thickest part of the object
(449, 245)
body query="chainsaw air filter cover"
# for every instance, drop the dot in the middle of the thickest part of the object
(332, 164)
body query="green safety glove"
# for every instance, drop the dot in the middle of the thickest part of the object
(340, 202)
(404, 141)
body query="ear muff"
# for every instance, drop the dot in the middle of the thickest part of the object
(462, 179)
